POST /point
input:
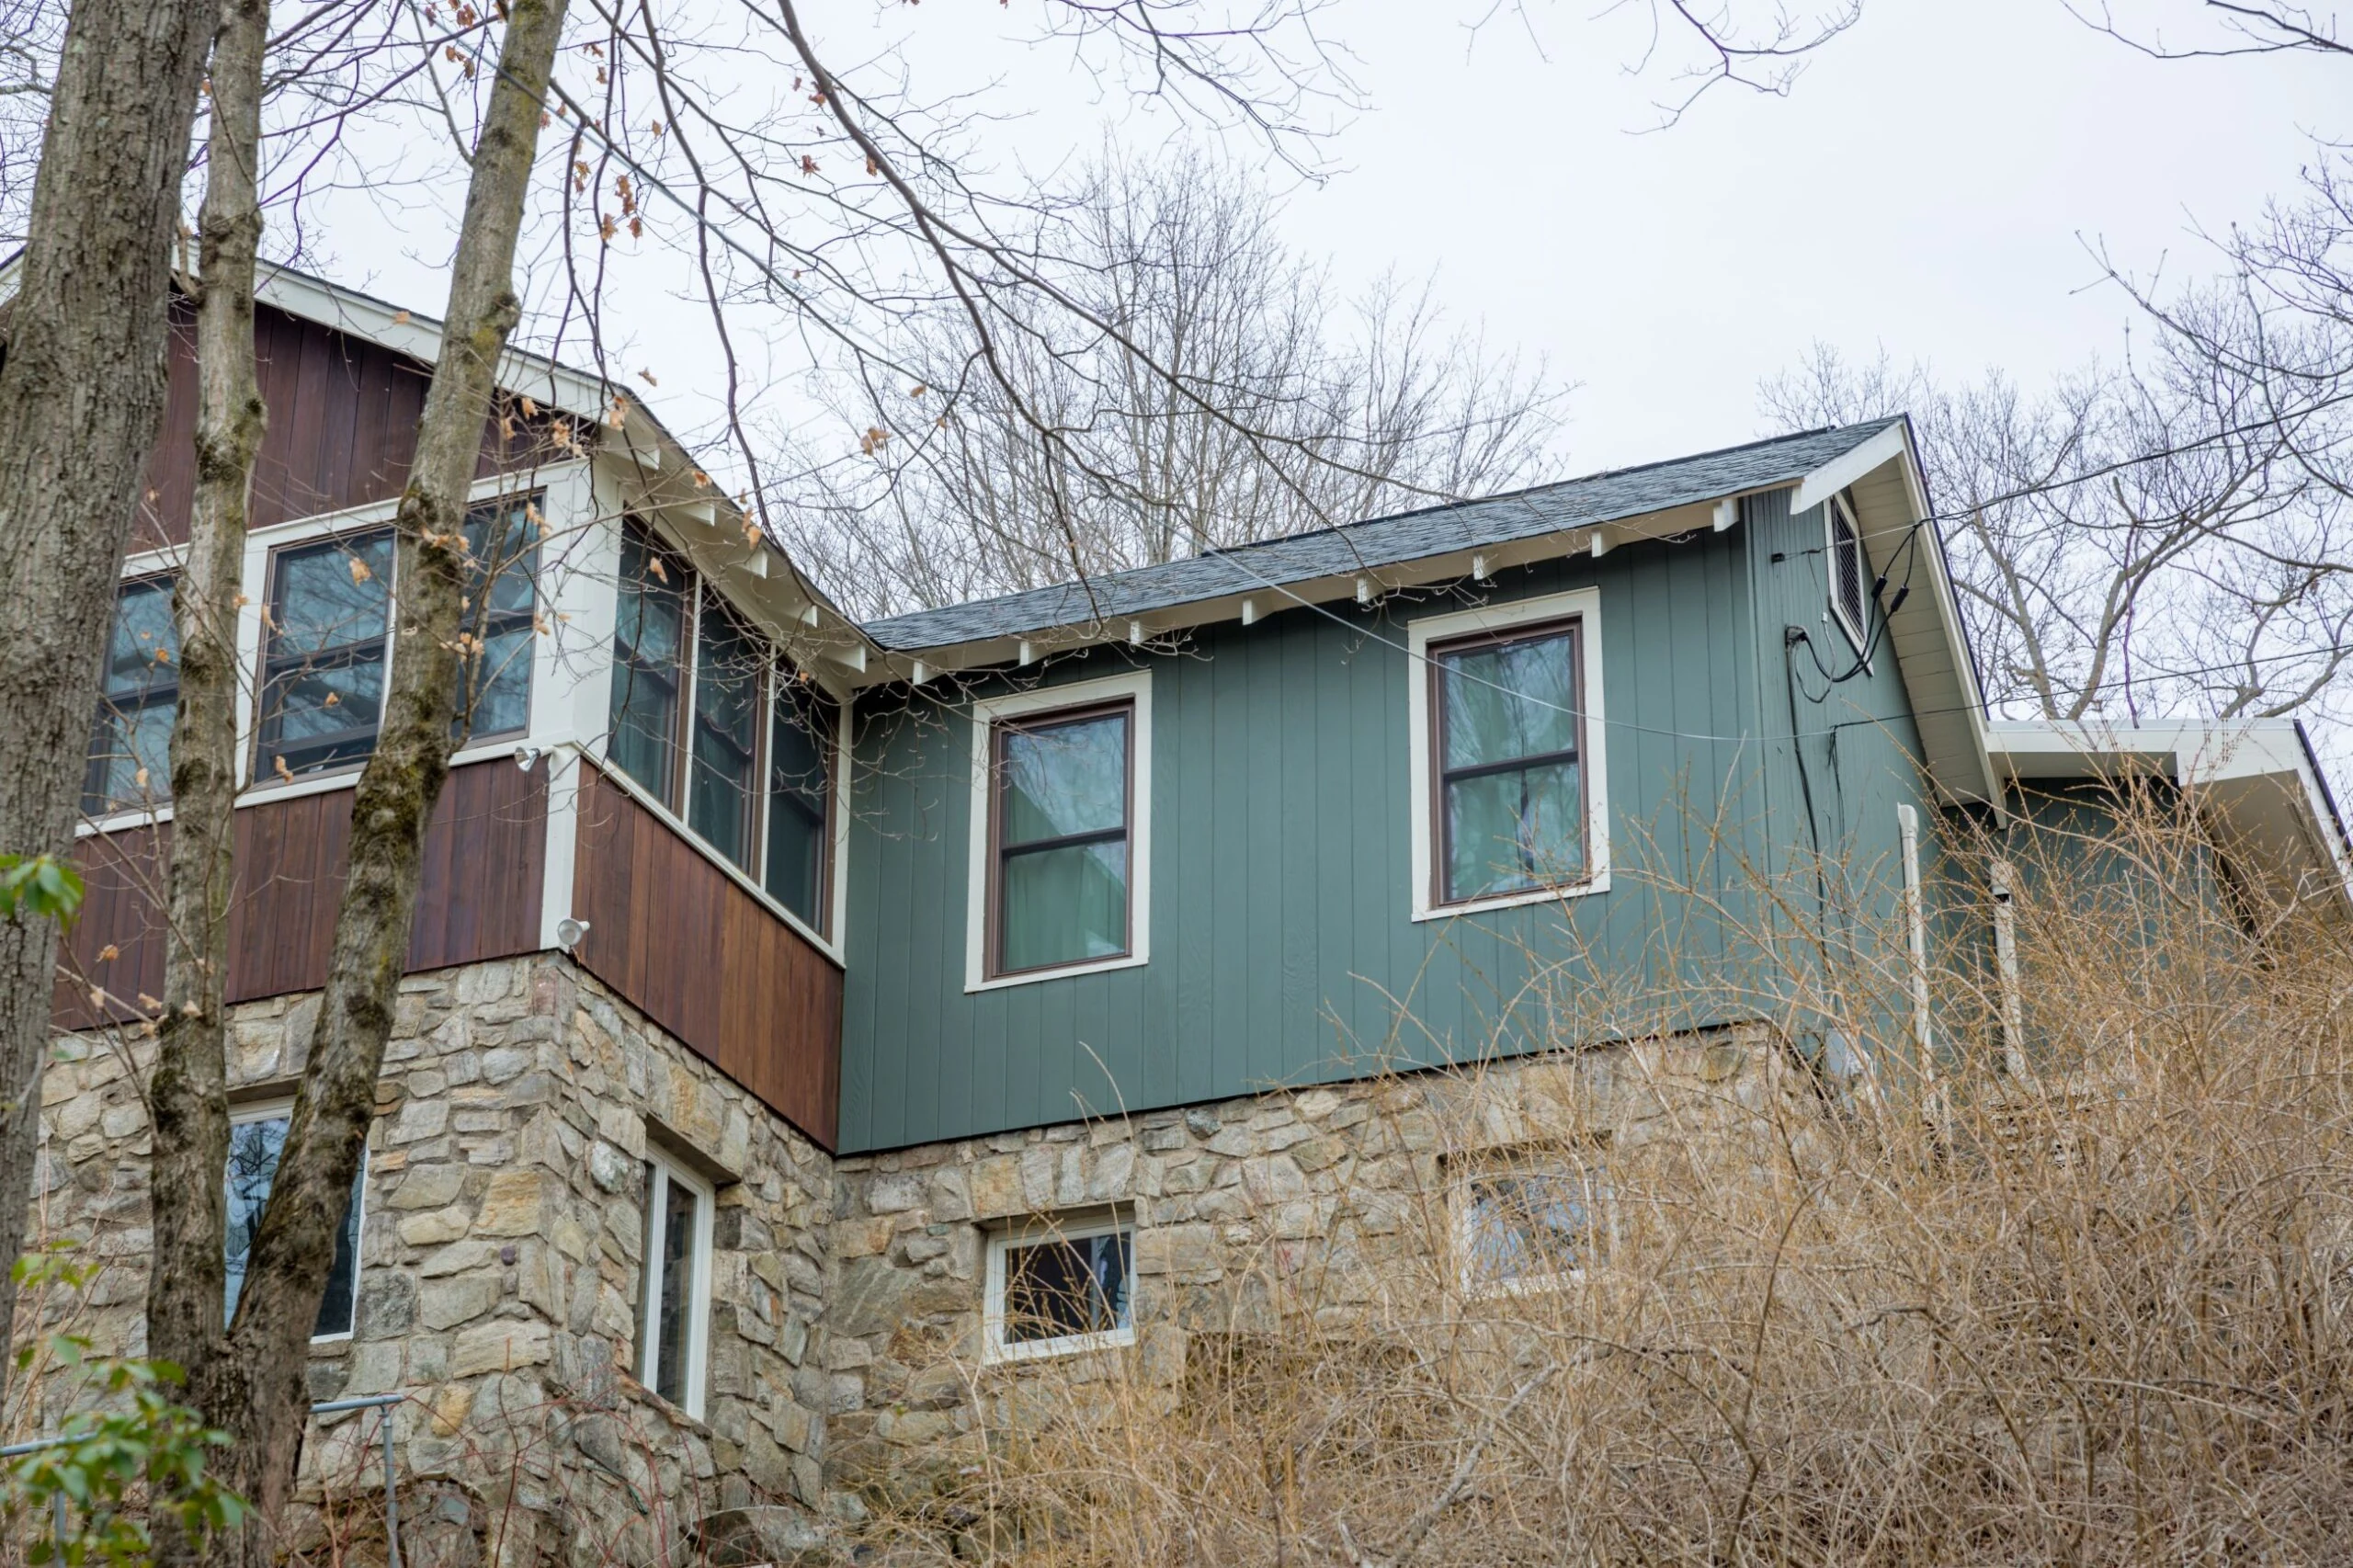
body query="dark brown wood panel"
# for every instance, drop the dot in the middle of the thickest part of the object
(486, 858)
(708, 961)
(342, 427)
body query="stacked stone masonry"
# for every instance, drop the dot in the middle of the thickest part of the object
(500, 1266)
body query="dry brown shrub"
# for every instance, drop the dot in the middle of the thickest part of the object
(2100, 1311)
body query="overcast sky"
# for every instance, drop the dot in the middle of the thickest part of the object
(1931, 184)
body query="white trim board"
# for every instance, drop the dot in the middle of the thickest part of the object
(1136, 687)
(1593, 762)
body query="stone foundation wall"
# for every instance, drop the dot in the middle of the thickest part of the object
(1335, 1201)
(499, 1262)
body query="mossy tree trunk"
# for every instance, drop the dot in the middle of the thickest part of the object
(293, 1249)
(81, 400)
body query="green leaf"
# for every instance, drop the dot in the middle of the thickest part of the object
(39, 887)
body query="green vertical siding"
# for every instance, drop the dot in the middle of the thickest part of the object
(1280, 916)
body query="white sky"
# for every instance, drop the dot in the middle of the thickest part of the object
(1930, 185)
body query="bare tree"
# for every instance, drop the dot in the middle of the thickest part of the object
(1256, 414)
(2171, 531)
(81, 398)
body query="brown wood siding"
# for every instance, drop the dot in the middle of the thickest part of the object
(342, 429)
(484, 862)
(675, 936)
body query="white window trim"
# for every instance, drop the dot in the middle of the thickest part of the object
(668, 1171)
(1600, 1197)
(1134, 685)
(1584, 605)
(994, 1351)
(265, 1110)
(1856, 635)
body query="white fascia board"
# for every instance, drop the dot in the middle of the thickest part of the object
(1842, 471)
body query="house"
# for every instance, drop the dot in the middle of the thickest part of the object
(798, 1008)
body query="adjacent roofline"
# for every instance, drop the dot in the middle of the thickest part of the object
(2260, 777)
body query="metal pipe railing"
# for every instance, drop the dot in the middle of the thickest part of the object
(324, 1407)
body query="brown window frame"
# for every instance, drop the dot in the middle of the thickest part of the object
(993, 939)
(1440, 830)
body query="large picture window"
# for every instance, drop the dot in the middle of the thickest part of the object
(1053, 1288)
(649, 647)
(673, 1308)
(324, 657)
(1060, 830)
(1509, 792)
(721, 790)
(713, 725)
(801, 768)
(130, 744)
(257, 1139)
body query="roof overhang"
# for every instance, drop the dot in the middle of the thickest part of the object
(1883, 477)
(2258, 782)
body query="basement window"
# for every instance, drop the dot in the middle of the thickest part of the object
(256, 1139)
(1057, 1286)
(1849, 573)
(1530, 1220)
(130, 745)
(674, 1307)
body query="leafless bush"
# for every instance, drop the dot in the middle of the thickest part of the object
(2096, 1311)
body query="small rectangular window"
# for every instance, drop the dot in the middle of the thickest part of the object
(1509, 793)
(1061, 803)
(649, 645)
(675, 1305)
(800, 766)
(1849, 572)
(131, 745)
(324, 654)
(721, 792)
(257, 1139)
(1531, 1221)
(1056, 1288)
(502, 543)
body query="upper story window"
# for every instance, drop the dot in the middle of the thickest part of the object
(1510, 802)
(325, 651)
(1508, 780)
(326, 641)
(800, 770)
(130, 744)
(715, 726)
(1849, 573)
(1061, 820)
(257, 1139)
(1060, 824)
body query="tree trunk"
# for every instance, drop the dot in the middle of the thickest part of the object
(187, 1092)
(81, 398)
(294, 1247)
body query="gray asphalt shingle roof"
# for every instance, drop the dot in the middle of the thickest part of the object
(1383, 542)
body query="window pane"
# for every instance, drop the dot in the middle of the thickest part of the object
(1056, 1288)
(648, 640)
(254, 1148)
(323, 690)
(1064, 779)
(727, 716)
(131, 742)
(677, 1289)
(1513, 831)
(1513, 700)
(1529, 1226)
(798, 758)
(503, 543)
(1064, 905)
